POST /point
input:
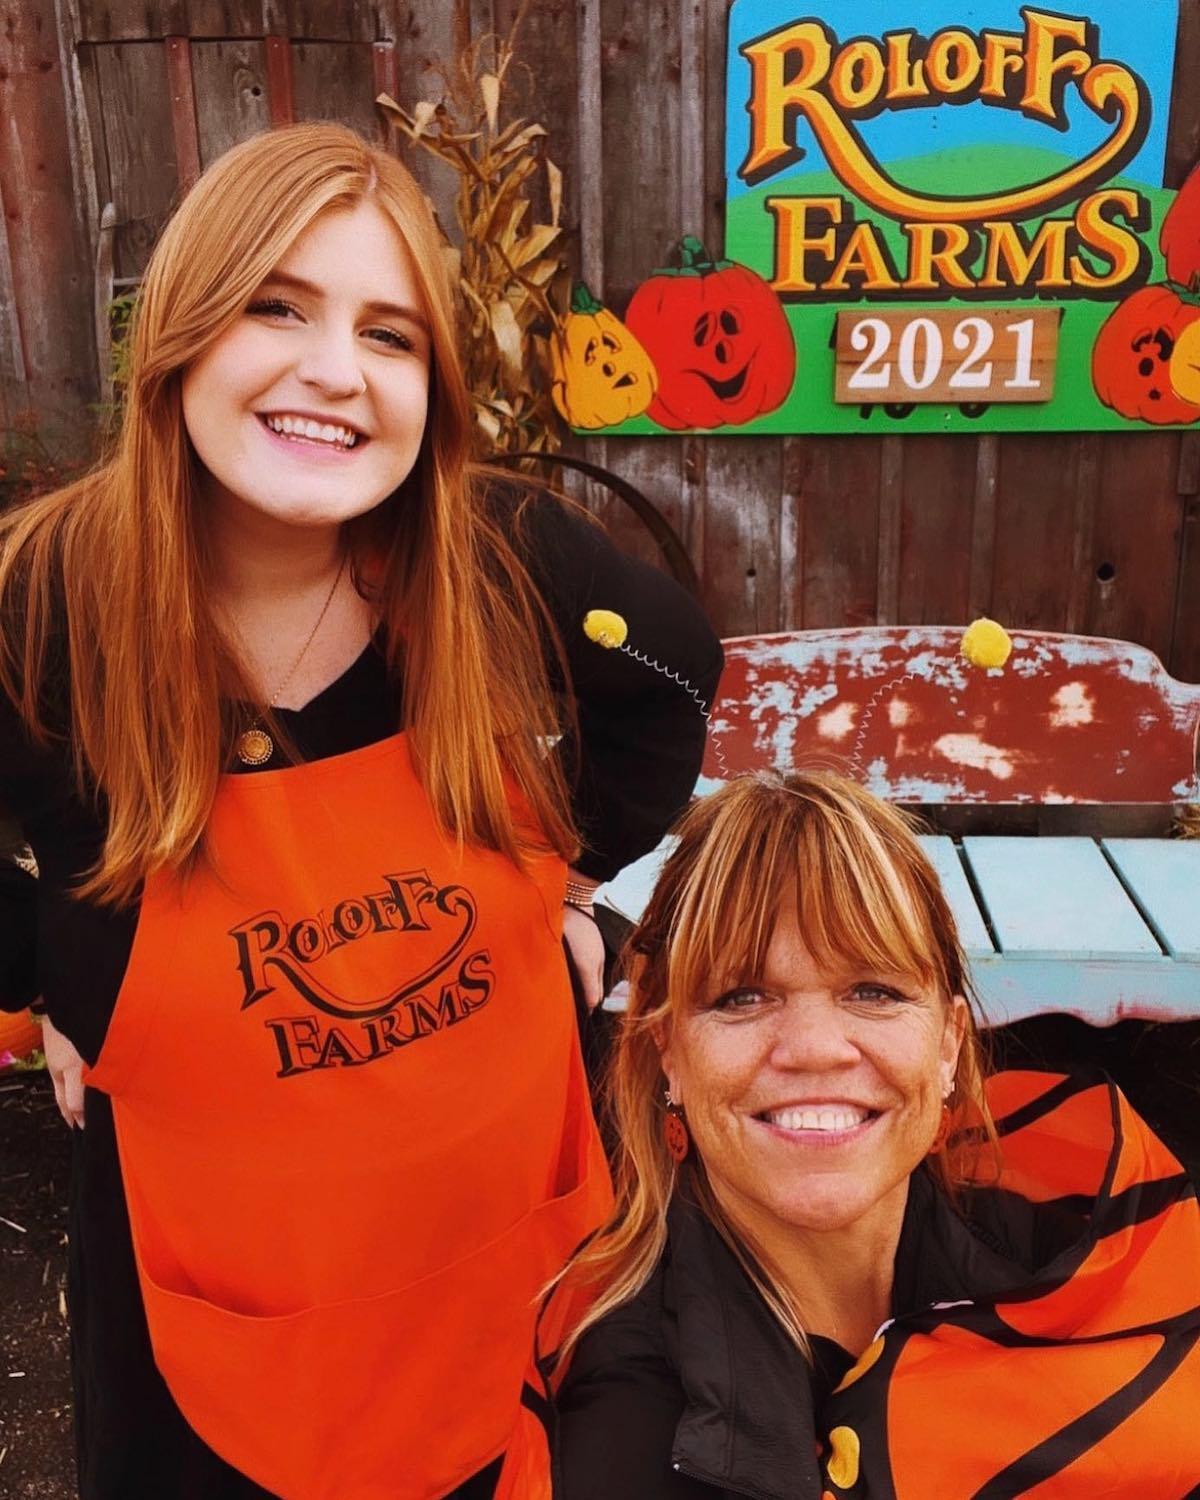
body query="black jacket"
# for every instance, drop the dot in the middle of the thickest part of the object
(692, 1391)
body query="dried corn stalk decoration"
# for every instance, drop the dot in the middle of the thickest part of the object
(510, 270)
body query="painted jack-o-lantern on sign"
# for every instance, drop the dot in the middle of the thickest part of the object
(601, 373)
(941, 215)
(719, 338)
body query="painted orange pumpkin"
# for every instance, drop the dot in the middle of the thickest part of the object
(601, 375)
(1135, 369)
(719, 338)
(1179, 237)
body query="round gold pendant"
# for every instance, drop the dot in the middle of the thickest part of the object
(255, 747)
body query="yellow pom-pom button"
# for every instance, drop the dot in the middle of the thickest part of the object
(842, 1466)
(986, 644)
(605, 627)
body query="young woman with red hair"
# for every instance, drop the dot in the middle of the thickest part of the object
(281, 681)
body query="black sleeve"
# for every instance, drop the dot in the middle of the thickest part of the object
(31, 777)
(615, 1431)
(641, 734)
(18, 888)
(18, 943)
(616, 1417)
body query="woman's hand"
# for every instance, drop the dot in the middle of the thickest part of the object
(66, 1073)
(586, 948)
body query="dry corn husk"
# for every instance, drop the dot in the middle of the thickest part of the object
(511, 271)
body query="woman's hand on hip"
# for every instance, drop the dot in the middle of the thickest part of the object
(66, 1073)
(586, 948)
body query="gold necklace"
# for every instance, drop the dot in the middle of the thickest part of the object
(254, 745)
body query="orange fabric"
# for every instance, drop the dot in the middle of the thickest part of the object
(1101, 1298)
(1052, 1156)
(1084, 1383)
(354, 1133)
(1031, 1394)
(1146, 1443)
(526, 1471)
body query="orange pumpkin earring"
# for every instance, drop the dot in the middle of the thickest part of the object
(943, 1130)
(675, 1131)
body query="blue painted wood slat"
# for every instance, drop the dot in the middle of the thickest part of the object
(629, 891)
(972, 929)
(1056, 898)
(1099, 991)
(1164, 875)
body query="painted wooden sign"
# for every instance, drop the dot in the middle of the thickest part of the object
(941, 188)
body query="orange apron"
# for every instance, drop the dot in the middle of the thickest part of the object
(354, 1133)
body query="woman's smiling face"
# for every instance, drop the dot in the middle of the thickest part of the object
(311, 407)
(812, 1093)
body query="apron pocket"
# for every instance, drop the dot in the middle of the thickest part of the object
(399, 1396)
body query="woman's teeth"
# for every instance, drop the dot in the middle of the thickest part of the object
(831, 1120)
(314, 432)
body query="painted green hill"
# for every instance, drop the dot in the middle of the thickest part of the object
(954, 172)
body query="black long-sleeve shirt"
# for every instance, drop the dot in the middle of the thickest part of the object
(641, 738)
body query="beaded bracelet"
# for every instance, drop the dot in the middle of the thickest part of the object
(580, 895)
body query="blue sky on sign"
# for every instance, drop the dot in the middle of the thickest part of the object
(1139, 33)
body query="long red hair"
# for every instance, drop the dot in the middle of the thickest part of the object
(117, 558)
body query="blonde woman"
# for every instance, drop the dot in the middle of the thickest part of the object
(844, 1262)
(280, 677)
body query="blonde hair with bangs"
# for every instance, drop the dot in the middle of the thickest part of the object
(121, 553)
(866, 895)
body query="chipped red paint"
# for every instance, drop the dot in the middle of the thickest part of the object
(1069, 719)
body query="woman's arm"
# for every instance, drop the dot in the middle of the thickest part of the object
(19, 985)
(18, 929)
(18, 972)
(23, 777)
(616, 1417)
(614, 1438)
(641, 735)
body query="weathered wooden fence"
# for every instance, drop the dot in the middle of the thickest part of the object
(121, 102)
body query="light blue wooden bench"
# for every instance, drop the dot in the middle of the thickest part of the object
(1097, 927)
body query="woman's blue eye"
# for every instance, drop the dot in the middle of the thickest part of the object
(868, 990)
(391, 338)
(276, 307)
(271, 307)
(740, 999)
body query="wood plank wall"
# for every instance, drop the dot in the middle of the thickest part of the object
(120, 100)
